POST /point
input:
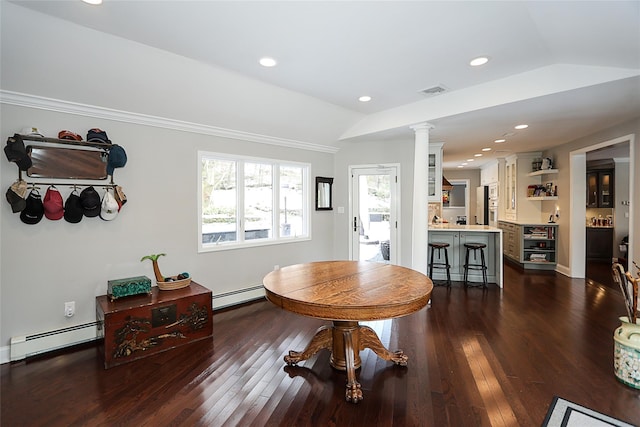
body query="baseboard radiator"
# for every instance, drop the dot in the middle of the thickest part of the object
(32, 345)
(23, 347)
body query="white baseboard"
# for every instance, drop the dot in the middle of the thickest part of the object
(237, 297)
(31, 345)
(563, 269)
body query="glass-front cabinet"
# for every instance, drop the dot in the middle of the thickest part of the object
(600, 183)
(434, 184)
(605, 197)
(592, 189)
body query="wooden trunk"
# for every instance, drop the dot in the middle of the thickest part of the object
(139, 326)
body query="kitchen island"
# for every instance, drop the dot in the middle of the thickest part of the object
(456, 236)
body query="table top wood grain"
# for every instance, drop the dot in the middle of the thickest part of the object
(348, 290)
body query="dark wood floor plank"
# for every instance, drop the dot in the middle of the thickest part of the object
(476, 358)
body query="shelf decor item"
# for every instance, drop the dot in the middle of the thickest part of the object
(127, 287)
(626, 354)
(171, 283)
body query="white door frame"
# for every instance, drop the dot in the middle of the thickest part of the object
(395, 233)
(578, 210)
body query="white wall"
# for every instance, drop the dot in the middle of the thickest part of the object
(44, 265)
(621, 212)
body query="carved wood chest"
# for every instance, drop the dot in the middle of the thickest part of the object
(139, 326)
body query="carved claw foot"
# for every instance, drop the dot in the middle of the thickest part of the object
(293, 357)
(354, 392)
(399, 358)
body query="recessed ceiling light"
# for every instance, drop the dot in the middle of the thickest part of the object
(93, 2)
(267, 62)
(521, 126)
(365, 98)
(464, 164)
(460, 166)
(499, 141)
(486, 149)
(481, 60)
(470, 160)
(477, 155)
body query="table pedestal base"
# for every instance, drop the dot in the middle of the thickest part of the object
(346, 339)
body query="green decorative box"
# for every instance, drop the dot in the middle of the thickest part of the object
(129, 286)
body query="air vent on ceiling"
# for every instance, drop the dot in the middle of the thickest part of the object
(434, 90)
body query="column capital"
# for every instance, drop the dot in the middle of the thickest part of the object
(422, 126)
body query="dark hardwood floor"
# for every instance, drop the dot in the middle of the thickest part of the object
(476, 358)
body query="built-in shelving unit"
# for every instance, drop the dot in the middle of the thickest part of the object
(543, 198)
(534, 246)
(542, 172)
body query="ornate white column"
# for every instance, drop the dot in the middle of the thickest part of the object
(419, 249)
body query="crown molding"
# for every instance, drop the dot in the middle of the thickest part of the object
(68, 107)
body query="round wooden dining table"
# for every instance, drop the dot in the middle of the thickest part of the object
(347, 292)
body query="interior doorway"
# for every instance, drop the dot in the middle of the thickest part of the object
(455, 202)
(578, 199)
(374, 192)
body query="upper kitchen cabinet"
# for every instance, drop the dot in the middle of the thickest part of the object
(517, 206)
(600, 185)
(434, 190)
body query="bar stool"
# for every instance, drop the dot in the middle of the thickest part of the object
(445, 265)
(474, 247)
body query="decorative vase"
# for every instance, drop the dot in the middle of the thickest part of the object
(626, 360)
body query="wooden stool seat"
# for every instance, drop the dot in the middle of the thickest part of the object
(444, 265)
(474, 247)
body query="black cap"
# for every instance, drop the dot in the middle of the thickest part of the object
(97, 135)
(73, 211)
(34, 210)
(90, 202)
(16, 201)
(16, 152)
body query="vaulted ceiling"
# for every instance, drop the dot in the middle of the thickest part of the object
(567, 69)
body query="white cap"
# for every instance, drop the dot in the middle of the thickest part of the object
(31, 131)
(109, 209)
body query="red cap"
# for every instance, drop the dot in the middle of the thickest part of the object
(67, 134)
(53, 205)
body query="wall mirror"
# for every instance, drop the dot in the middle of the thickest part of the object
(56, 162)
(324, 200)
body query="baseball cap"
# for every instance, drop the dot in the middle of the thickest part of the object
(31, 132)
(67, 134)
(120, 197)
(17, 153)
(117, 158)
(16, 194)
(109, 208)
(53, 205)
(97, 135)
(90, 202)
(33, 211)
(73, 211)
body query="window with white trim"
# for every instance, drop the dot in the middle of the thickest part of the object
(246, 201)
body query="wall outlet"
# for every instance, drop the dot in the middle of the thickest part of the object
(276, 267)
(69, 308)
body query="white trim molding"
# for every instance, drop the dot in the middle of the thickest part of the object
(68, 107)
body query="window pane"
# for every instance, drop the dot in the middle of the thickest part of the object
(291, 201)
(258, 201)
(219, 201)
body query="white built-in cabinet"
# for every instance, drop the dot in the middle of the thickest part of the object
(518, 178)
(434, 185)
